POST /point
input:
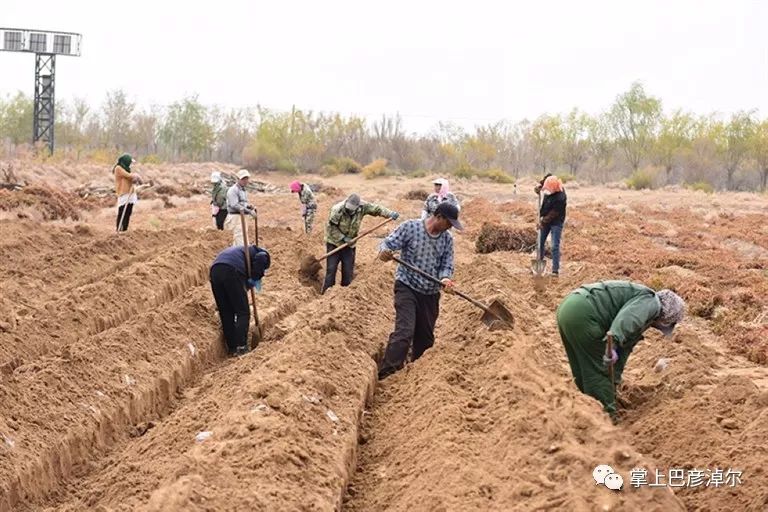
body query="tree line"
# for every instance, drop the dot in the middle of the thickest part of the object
(634, 139)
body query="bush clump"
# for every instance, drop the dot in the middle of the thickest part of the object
(641, 179)
(375, 169)
(498, 237)
(416, 195)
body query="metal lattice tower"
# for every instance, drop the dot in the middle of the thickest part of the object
(46, 46)
(45, 81)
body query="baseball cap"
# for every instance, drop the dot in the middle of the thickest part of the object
(352, 202)
(243, 173)
(451, 213)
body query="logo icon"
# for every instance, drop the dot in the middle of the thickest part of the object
(605, 475)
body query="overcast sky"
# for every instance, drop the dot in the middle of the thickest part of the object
(469, 62)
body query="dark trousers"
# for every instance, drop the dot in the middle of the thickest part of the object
(415, 317)
(232, 302)
(347, 258)
(128, 208)
(220, 218)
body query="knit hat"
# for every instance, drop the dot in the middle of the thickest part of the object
(295, 186)
(672, 311)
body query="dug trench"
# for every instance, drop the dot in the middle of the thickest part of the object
(72, 389)
(492, 421)
(485, 420)
(282, 420)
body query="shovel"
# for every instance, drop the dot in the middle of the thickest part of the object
(310, 265)
(496, 316)
(608, 350)
(538, 264)
(256, 336)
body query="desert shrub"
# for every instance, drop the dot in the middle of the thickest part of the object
(416, 195)
(418, 173)
(375, 169)
(329, 170)
(641, 179)
(464, 170)
(348, 165)
(285, 165)
(150, 159)
(499, 176)
(703, 186)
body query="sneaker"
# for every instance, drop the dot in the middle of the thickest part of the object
(241, 350)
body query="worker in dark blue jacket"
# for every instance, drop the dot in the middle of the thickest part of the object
(229, 282)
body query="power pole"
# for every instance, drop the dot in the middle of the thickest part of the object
(46, 45)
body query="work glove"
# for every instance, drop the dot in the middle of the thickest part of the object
(394, 215)
(253, 284)
(346, 239)
(252, 213)
(303, 211)
(610, 361)
(386, 255)
(448, 285)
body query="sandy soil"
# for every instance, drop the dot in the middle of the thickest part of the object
(111, 362)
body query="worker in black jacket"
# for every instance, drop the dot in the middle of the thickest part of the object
(229, 282)
(552, 218)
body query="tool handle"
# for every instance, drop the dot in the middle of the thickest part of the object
(538, 229)
(609, 354)
(248, 267)
(256, 225)
(437, 281)
(358, 237)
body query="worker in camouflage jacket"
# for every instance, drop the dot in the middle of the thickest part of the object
(624, 309)
(308, 204)
(344, 225)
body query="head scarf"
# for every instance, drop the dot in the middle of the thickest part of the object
(125, 162)
(552, 185)
(445, 189)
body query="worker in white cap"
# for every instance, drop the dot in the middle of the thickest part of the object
(237, 202)
(442, 194)
(218, 200)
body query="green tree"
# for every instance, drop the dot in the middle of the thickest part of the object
(16, 118)
(759, 150)
(634, 121)
(675, 136)
(733, 141)
(575, 139)
(187, 131)
(118, 112)
(601, 145)
(546, 141)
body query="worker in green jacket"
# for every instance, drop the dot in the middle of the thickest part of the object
(344, 225)
(625, 310)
